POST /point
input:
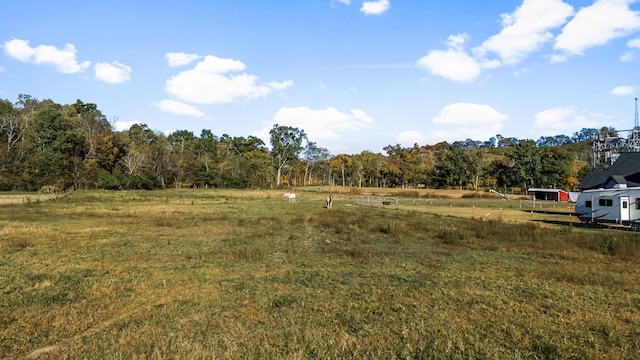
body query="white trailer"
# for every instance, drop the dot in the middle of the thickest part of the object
(619, 205)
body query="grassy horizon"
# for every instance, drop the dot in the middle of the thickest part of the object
(204, 274)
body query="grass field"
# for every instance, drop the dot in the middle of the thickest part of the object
(227, 274)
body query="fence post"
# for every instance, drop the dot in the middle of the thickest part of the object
(570, 222)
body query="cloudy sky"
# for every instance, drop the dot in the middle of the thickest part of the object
(354, 75)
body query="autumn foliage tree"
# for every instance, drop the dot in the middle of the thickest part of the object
(47, 144)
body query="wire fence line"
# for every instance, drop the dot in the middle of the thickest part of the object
(23, 199)
(375, 200)
(515, 210)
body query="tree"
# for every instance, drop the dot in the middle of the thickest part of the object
(452, 167)
(256, 162)
(286, 145)
(371, 164)
(100, 152)
(181, 145)
(340, 163)
(401, 166)
(143, 153)
(527, 164)
(12, 126)
(584, 134)
(205, 149)
(55, 145)
(501, 170)
(555, 167)
(313, 154)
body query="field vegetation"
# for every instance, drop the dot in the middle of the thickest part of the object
(206, 274)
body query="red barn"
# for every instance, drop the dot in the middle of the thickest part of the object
(549, 194)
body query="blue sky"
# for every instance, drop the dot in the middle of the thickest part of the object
(355, 75)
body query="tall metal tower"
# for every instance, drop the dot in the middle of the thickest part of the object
(636, 125)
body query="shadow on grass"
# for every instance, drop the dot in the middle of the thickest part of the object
(585, 225)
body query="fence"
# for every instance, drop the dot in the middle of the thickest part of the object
(375, 200)
(14, 199)
(20, 199)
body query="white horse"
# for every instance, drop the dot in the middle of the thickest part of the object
(291, 196)
(329, 201)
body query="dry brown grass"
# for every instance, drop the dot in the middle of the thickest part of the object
(204, 274)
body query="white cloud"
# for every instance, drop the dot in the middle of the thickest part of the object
(461, 121)
(457, 41)
(177, 107)
(557, 58)
(562, 119)
(598, 24)
(634, 44)
(410, 137)
(114, 73)
(214, 64)
(453, 64)
(180, 59)
(346, 2)
(319, 124)
(375, 7)
(469, 114)
(124, 125)
(525, 30)
(64, 60)
(628, 56)
(528, 28)
(208, 83)
(279, 85)
(623, 90)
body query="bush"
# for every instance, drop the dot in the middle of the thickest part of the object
(481, 195)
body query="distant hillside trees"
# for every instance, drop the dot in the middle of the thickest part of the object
(47, 144)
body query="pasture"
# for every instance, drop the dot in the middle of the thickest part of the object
(226, 274)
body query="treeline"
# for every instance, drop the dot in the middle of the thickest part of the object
(44, 144)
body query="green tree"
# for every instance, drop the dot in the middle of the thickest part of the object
(162, 165)
(555, 167)
(182, 148)
(313, 154)
(100, 153)
(256, 162)
(206, 154)
(527, 164)
(449, 169)
(341, 164)
(401, 167)
(371, 164)
(139, 161)
(286, 145)
(55, 149)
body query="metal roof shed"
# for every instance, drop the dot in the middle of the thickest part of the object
(549, 194)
